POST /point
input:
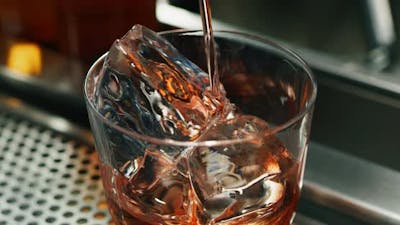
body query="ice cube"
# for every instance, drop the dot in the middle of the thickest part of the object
(155, 188)
(146, 85)
(236, 179)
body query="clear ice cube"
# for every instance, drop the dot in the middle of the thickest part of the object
(235, 179)
(146, 85)
(156, 186)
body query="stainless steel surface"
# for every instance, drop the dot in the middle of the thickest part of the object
(381, 20)
(46, 176)
(304, 220)
(381, 33)
(358, 120)
(353, 186)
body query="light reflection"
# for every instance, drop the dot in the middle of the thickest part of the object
(13, 102)
(25, 58)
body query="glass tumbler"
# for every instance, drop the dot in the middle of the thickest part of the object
(218, 179)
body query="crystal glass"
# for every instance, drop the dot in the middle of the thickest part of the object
(219, 179)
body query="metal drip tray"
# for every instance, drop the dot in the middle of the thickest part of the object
(46, 176)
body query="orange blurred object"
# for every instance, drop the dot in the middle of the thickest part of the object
(25, 58)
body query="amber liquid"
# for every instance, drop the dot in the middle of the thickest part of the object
(162, 193)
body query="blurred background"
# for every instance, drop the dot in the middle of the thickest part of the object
(353, 170)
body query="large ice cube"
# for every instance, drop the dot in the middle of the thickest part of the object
(237, 179)
(146, 85)
(155, 188)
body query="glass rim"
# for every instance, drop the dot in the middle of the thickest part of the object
(210, 143)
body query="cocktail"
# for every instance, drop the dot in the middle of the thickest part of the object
(175, 151)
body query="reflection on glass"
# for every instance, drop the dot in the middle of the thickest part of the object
(25, 58)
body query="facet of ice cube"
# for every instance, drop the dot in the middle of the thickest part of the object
(146, 85)
(239, 178)
(154, 185)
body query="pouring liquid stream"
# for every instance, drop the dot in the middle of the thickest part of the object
(210, 46)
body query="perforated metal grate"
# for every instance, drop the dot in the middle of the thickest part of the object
(47, 178)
